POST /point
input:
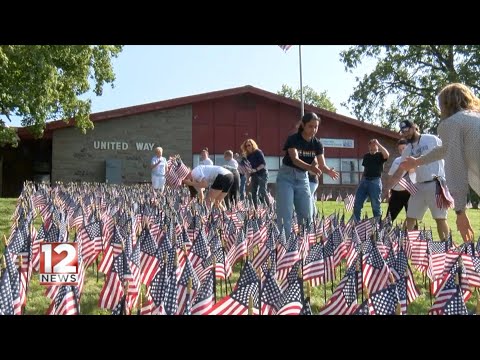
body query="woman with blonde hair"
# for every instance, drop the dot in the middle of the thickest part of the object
(459, 130)
(259, 172)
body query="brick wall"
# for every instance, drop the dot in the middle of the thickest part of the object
(78, 157)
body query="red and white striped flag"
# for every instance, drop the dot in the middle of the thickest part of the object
(349, 202)
(285, 47)
(407, 184)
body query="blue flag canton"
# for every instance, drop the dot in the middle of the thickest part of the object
(158, 286)
(315, 253)
(385, 301)
(6, 299)
(206, 289)
(170, 300)
(351, 286)
(293, 293)
(147, 244)
(18, 241)
(402, 288)
(375, 259)
(243, 293)
(456, 305)
(189, 273)
(270, 291)
(437, 247)
(94, 230)
(401, 264)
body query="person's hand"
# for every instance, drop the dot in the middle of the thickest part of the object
(315, 169)
(464, 227)
(333, 174)
(386, 195)
(375, 142)
(409, 163)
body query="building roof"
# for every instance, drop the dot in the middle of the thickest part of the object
(185, 100)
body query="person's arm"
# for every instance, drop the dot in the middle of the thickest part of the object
(436, 154)
(197, 184)
(293, 153)
(259, 156)
(456, 168)
(323, 167)
(155, 164)
(201, 194)
(382, 149)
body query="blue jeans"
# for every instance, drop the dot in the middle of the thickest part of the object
(372, 189)
(293, 189)
(243, 181)
(259, 187)
(313, 192)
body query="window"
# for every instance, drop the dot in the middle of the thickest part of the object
(218, 160)
(273, 164)
(196, 159)
(335, 163)
(349, 171)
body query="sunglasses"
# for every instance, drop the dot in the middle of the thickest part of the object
(248, 144)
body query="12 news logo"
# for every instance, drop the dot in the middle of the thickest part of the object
(59, 264)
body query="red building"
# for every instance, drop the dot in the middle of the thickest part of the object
(219, 120)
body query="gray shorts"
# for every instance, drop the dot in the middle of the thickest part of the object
(423, 199)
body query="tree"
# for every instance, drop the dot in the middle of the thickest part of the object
(407, 79)
(43, 82)
(310, 97)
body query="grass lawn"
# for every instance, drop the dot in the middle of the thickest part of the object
(37, 303)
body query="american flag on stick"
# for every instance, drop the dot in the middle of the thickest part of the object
(349, 201)
(408, 185)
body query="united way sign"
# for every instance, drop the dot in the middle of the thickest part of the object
(338, 143)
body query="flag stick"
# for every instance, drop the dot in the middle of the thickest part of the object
(301, 84)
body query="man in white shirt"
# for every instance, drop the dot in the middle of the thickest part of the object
(229, 160)
(159, 169)
(204, 159)
(421, 144)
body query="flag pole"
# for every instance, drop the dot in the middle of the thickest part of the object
(301, 85)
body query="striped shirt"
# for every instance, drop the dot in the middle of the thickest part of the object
(460, 134)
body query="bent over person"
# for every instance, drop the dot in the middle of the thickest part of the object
(219, 179)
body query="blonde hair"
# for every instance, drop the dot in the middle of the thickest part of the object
(456, 97)
(244, 146)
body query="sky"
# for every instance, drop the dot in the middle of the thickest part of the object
(149, 73)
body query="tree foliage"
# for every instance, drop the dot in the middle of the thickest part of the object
(39, 83)
(406, 80)
(310, 97)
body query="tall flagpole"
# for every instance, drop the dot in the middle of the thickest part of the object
(301, 85)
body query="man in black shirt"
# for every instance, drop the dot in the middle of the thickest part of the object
(371, 183)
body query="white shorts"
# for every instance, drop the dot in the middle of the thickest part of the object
(423, 199)
(158, 182)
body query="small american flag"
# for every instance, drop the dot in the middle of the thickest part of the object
(349, 201)
(407, 184)
(285, 47)
(442, 195)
